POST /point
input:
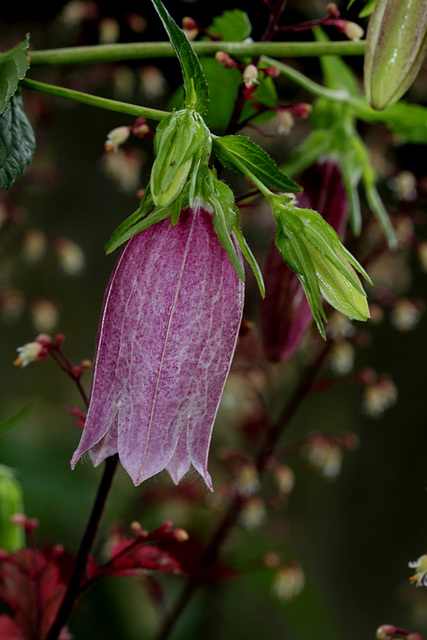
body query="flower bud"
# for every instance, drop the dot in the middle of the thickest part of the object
(116, 137)
(396, 44)
(285, 312)
(179, 139)
(30, 352)
(323, 265)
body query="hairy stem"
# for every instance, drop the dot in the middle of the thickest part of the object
(86, 544)
(140, 50)
(273, 434)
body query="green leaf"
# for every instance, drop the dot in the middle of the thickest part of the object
(317, 144)
(241, 154)
(407, 120)
(232, 26)
(195, 87)
(17, 142)
(13, 67)
(18, 417)
(336, 73)
(224, 87)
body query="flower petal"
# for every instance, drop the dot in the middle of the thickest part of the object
(167, 336)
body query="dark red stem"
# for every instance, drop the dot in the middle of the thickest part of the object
(86, 544)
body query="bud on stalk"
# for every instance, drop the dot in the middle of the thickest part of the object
(181, 141)
(285, 311)
(396, 44)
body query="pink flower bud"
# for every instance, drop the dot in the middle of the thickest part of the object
(167, 334)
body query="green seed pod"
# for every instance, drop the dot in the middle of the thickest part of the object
(181, 139)
(11, 536)
(396, 44)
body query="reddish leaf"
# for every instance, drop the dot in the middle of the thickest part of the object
(32, 585)
(9, 630)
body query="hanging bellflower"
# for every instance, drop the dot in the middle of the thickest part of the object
(167, 334)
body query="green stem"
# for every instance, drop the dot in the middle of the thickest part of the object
(362, 109)
(94, 101)
(136, 51)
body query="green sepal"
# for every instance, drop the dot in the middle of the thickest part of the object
(196, 92)
(121, 233)
(13, 67)
(246, 251)
(296, 257)
(239, 153)
(221, 199)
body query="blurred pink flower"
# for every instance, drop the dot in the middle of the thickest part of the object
(169, 326)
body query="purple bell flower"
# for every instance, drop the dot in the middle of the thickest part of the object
(168, 330)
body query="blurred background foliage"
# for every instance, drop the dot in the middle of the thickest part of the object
(352, 534)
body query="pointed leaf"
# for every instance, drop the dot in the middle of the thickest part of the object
(241, 154)
(17, 142)
(13, 67)
(195, 86)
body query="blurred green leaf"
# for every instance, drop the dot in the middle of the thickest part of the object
(241, 154)
(17, 142)
(18, 417)
(336, 73)
(195, 85)
(368, 9)
(232, 26)
(223, 86)
(407, 120)
(13, 67)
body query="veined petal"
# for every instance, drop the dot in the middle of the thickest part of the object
(167, 336)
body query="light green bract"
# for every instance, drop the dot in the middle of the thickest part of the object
(323, 265)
